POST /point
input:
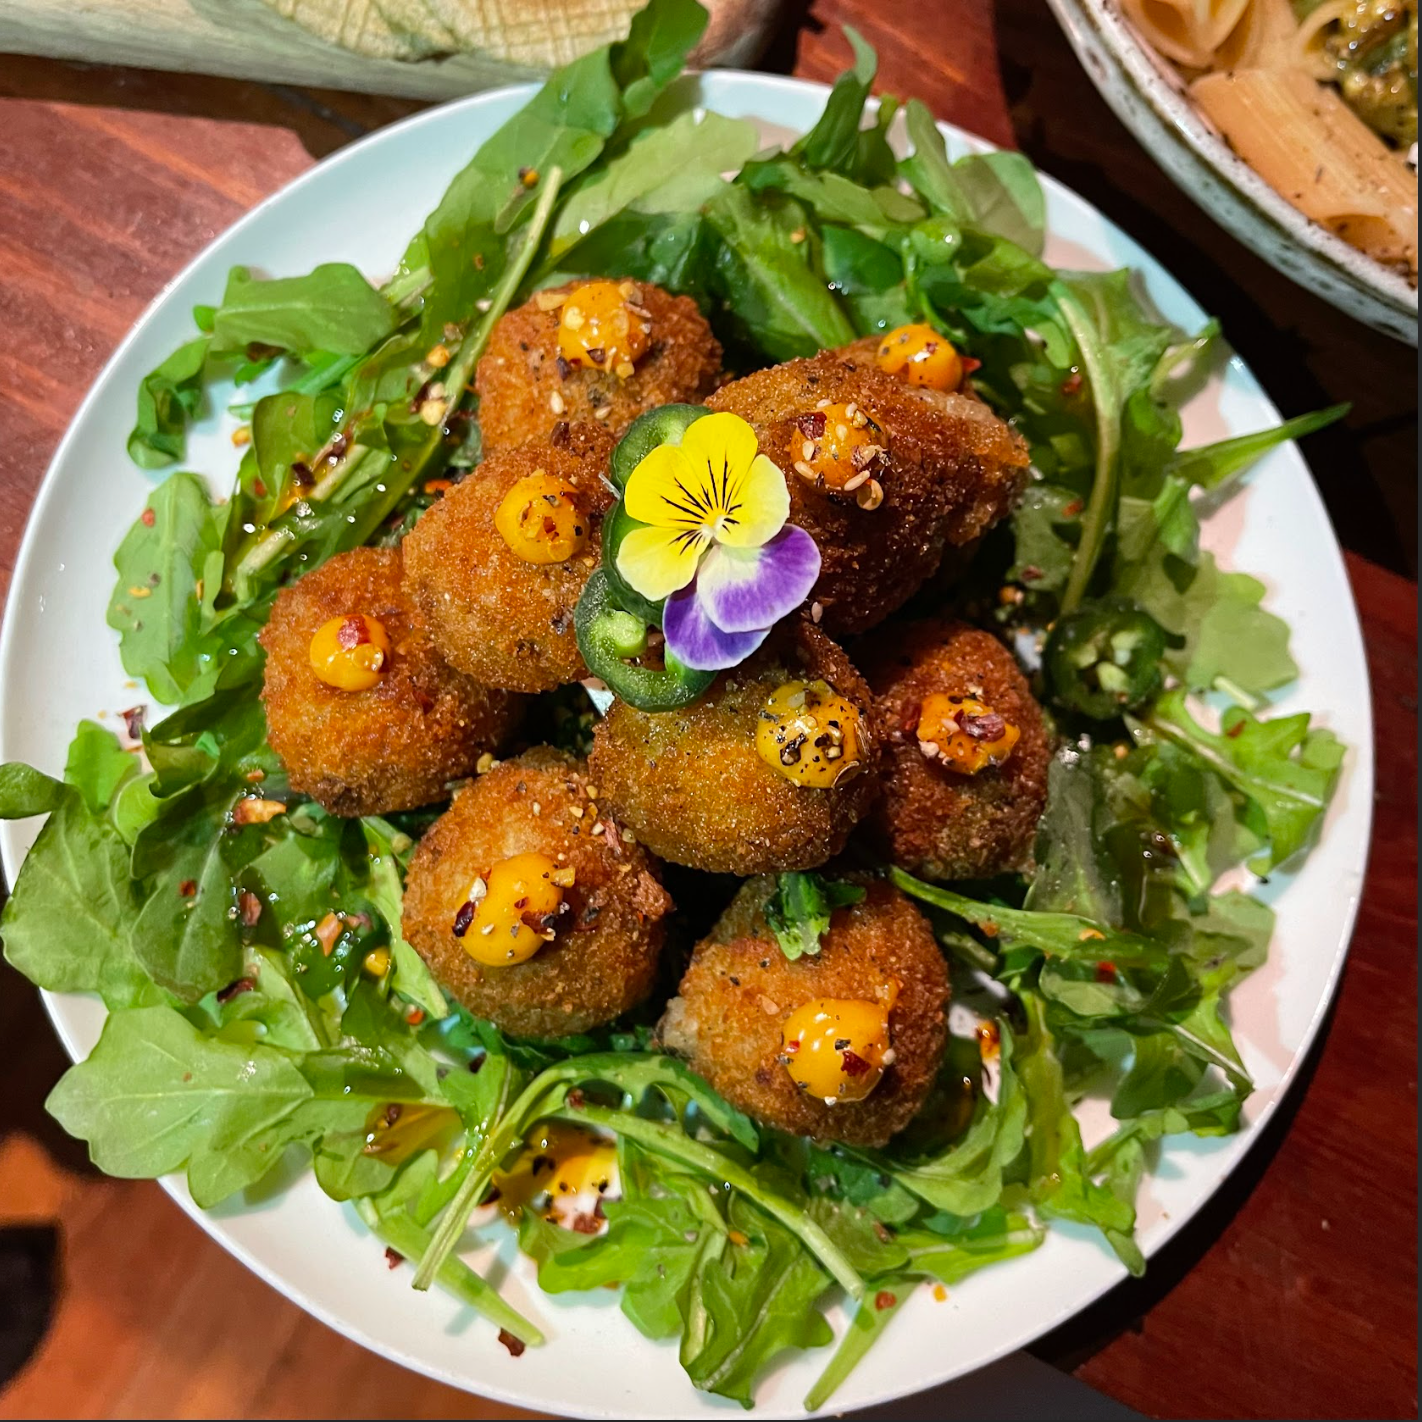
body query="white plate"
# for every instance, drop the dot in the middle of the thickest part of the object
(58, 663)
(1149, 97)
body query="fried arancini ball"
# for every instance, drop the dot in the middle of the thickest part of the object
(524, 390)
(946, 466)
(931, 819)
(729, 1018)
(602, 958)
(496, 615)
(396, 744)
(692, 782)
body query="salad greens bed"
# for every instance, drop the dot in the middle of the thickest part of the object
(235, 1033)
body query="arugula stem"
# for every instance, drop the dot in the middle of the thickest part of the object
(1101, 505)
(676, 1145)
(269, 546)
(864, 1329)
(404, 1236)
(406, 286)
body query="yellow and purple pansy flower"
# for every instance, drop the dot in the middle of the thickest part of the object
(715, 543)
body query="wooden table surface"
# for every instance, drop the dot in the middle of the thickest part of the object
(1292, 1294)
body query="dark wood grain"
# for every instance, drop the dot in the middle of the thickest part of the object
(1293, 1293)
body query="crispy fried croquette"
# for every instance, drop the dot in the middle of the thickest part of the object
(934, 820)
(503, 619)
(694, 786)
(525, 386)
(923, 471)
(397, 744)
(728, 1020)
(601, 959)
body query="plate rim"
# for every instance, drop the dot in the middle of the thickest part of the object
(1361, 772)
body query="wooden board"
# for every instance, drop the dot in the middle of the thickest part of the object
(250, 40)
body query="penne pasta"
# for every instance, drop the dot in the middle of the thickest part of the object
(1322, 105)
(1305, 141)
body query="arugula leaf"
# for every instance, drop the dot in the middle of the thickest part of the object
(25, 791)
(833, 143)
(97, 765)
(411, 978)
(155, 608)
(332, 309)
(663, 33)
(1286, 771)
(1004, 195)
(798, 912)
(870, 1320)
(1208, 466)
(155, 1095)
(770, 294)
(68, 925)
(168, 400)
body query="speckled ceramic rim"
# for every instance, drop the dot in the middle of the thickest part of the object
(1151, 103)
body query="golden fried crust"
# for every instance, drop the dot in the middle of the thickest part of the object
(521, 390)
(931, 820)
(397, 745)
(504, 621)
(954, 470)
(695, 789)
(740, 988)
(603, 960)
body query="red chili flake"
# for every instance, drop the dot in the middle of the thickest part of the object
(585, 1224)
(1235, 730)
(259, 488)
(148, 517)
(393, 1258)
(988, 727)
(1071, 384)
(464, 918)
(969, 364)
(564, 369)
(301, 475)
(188, 888)
(596, 354)
(812, 426)
(415, 1016)
(1031, 573)
(883, 1232)
(1105, 972)
(235, 989)
(853, 1063)
(575, 1099)
(558, 436)
(338, 447)
(352, 633)
(133, 721)
(1072, 509)
(884, 1299)
(514, 1345)
(476, 1064)
(249, 908)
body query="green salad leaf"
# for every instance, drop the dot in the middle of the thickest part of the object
(798, 912)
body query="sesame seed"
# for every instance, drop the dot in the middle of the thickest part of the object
(572, 318)
(602, 412)
(929, 749)
(555, 403)
(242, 435)
(768, 1005)
(537, 808)
(550, 300)
(871, 496)
(850, 485)
(804, 470)
(625, 370)
(807, 450)
(817, 611)
(822, 404)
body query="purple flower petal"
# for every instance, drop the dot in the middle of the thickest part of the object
(746, 588)
(697, 642)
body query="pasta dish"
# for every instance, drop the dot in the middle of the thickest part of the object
(1318, 96)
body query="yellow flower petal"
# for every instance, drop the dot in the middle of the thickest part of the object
(659, 561)
(761, 508)
(719, 448)
(661, 491)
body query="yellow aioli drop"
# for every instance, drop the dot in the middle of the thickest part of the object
(541, 521)
(838, 1048)
(838, 447)
(350, 653)
(810, 734)
(963, 733)
(600, 328)
(922, 357)
(509, 918)
(569, 1165)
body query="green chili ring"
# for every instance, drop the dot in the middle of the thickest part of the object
(664, 425)
(606, 635)
(1105, 658)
